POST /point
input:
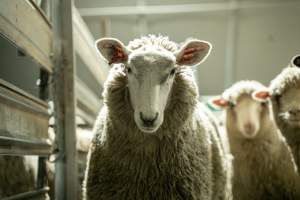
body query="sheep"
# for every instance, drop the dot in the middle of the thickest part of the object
(17, 175)
(152, 138)
(285, 89)
(263, 164)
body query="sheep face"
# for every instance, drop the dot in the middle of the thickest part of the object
(150, 71)
(289, 107)
(150, 79)
(246, 114)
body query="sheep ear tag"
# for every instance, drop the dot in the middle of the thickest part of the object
(261, 96)
(218, 103)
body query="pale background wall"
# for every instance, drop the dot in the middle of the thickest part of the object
(266, 38)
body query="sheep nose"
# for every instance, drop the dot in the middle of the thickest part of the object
(249, 128)
(294, 112)
(148, 122)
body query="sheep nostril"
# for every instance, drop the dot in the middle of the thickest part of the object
(148, 122)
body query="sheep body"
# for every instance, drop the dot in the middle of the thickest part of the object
(17, 175)
(287, 80)
(263, 166)
(182, 160)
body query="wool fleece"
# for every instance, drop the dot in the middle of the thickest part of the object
(183, 160)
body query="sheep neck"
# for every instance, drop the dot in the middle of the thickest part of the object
(246, 152)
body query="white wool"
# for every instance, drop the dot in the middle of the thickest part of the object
(289, 77)
(152, 40)
(130, 154)
(242, 87)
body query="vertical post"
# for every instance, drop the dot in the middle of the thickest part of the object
(231, 46)
(66, 178)
(105, 27)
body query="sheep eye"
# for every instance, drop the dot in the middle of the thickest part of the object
(231, 105)
(277, 96)
(172, 72)
(263, 103)
(129, 70)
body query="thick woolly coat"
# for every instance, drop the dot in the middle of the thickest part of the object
(15, 176)
(264, 167)
(288, 78)
(182, 160)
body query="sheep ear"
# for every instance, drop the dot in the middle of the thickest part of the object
(296, 61)
(218, 103)
(112, 50)
(193, 52)
(261, 95)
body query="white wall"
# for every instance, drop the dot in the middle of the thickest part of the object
(266, 39)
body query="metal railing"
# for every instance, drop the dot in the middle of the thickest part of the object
(48, 38)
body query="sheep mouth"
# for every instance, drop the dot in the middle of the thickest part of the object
(148, 129)
(248, 135)
(294, 121)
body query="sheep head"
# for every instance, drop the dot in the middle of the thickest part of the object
(286, 94)
(288, 106)
(150, 68)
(246, 105)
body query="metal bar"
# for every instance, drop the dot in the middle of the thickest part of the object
(20, 146)
(45, 6)
(66, 179)
(41, 11)
(24, 123)
(105, 27)
(28, 195)
(16, 90)
(16, 24)
(179, 9)
(28, 107)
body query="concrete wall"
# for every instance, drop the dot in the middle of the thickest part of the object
(266, 38)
